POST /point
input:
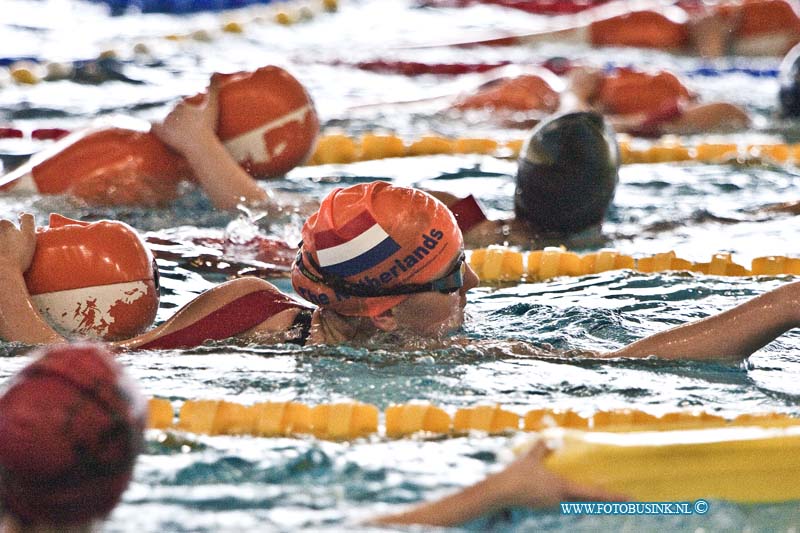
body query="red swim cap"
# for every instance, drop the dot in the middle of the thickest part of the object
(376, 236)
(71, 426)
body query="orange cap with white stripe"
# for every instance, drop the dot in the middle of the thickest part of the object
(267, 120)
(93, 279)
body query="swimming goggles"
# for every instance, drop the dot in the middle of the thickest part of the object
(447, 284)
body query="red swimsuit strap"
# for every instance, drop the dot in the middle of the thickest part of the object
(231, 319)
(468, 213)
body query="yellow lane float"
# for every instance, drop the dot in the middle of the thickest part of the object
(491, 419)
(747, 464)
(338, 148)
(407, 419)
(341, 421)
(668, 149)
(217, 417)
(280, 419)
(348, 420)
(538, 419)
(159, 413)
(503, 264)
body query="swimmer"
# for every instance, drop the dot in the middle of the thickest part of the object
(72, 425)
(566, 178)
(261, 123)
(375, 259)
(639, 102)
(747, 28)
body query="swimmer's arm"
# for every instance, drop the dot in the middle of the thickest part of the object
(707, 117)
(523, 483)
(792, 208)
(711, 33)
(190, 130)
(209, 302)
(584, 83)
(733, 334)
(19, 319)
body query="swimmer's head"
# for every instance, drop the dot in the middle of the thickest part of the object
(267, 120)
(789, 79)
(567, 174)
(371, 246)
(71, 426)
(96, 280)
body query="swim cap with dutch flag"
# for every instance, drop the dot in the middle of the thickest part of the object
(369, 239)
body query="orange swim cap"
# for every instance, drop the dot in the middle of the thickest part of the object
(370, 238)
(527, 92)
(267, 120)
(94, 279)
(71, 425)
(110, 166)
(626, 91)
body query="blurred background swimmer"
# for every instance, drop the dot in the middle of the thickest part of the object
(72, 426)
(375, 260)
(263, 121)
(636, 101)
(643, 102)
(747, 28)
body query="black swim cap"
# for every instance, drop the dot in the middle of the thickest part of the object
(567, 173)
(789, 79)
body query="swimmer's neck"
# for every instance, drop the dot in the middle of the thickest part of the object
(329, 327)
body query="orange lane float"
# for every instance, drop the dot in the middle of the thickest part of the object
(93, 279)
(266, 121)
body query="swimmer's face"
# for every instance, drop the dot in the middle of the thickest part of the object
(436, 313)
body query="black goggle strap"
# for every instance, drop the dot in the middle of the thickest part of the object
(447, 284)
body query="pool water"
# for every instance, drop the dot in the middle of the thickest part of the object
(196, 483)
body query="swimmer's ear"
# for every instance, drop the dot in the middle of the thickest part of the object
(385, 321)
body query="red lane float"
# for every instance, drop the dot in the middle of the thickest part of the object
(93, 279)
(267, 122)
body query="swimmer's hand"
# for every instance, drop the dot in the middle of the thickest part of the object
(523, 483)
(191, 130)
(18, 244)
(526, 482)
(584, 83)
(187, 127)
